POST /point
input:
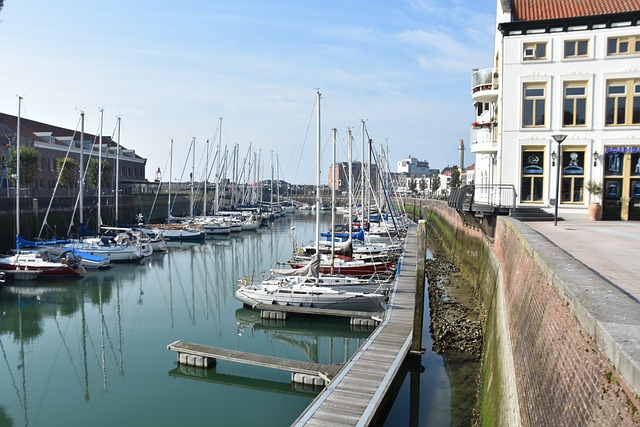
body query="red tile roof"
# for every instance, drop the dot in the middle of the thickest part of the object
(534, 10)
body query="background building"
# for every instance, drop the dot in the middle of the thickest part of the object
(53, 143)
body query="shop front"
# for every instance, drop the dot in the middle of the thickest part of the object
(621, 198)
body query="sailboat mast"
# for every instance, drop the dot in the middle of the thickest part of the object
(278, 177)
(271, 185)
(219, 154)
(318, 176)
(118, 174)
(81, 174)
(362, 177)
(99, 223)
(206, 179)
(350, 140)
(170, 178)
(18, 171)
(193, 170)
(333, 200)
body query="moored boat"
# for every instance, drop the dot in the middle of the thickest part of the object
(48, 262)
(304, 295)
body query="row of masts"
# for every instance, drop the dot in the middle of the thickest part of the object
(250, 194)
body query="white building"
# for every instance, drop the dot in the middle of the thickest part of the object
(413, 166)
(569, 68)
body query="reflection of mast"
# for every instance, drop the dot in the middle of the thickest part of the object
(102, 333)
(193, 292)
(23, 368)
(171, 292)
(119, 327)
(85, 364)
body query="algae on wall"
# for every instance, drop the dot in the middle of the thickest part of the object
(472, 255)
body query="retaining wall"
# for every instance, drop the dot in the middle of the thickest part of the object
(561, 343)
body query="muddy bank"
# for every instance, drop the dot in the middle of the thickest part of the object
(456, 318)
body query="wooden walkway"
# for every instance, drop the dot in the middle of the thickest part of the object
(354, 395)
(293, 366)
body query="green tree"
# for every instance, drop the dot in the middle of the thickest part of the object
(423, 184)
(68, 175)
(435, 184)
(412, 185)
(455, 177)
(93, 173)
(29, 162)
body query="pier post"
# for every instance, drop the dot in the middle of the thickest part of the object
(418, 310)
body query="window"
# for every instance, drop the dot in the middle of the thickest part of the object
(572, 182)
(576, 48)
(533, 105)
(575, 104)
(625, 45)
(623, 103)
(481, 107)
(535, 51)
(531, 185)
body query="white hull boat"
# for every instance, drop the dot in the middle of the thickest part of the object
(304, 295)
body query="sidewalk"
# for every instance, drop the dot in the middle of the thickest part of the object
(610, 248)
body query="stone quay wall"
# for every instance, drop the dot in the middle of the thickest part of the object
(556, 346)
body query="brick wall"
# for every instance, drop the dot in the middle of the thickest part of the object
(562, 377)
(559, 371)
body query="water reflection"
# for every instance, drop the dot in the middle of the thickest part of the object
(76, 350)
(328, 341)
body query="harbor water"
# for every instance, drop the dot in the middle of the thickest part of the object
(93, 351)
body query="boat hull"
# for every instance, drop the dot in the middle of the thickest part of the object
(316, 298)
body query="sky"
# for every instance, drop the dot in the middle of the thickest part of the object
(170, 70)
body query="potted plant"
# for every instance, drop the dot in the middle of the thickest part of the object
(595, 209)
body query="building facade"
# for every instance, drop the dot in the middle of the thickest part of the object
(413, 166)
(53, 143)
(561, 106)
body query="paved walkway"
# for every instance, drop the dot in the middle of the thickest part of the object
(610, 248)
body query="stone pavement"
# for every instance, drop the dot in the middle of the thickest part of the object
(610, 248)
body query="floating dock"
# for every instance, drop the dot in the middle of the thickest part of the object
(301, 372)
(358, 318)
(354, 391)
(17, 275)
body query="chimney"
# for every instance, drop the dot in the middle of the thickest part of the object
(461, 155)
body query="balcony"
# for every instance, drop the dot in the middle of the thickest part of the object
(482, 139)
(484, 85)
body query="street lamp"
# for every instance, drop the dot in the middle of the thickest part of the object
(558, 138)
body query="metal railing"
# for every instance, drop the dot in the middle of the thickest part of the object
(485, 79)
(499, 196)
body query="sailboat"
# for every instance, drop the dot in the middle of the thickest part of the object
(307, 292)
(178, 232)
(118, 247)
(45, 262)
(343, 264)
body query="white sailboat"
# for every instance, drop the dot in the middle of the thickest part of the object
(121, 246)
(303, 292)
(45, 262)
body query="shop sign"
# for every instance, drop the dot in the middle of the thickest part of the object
(628, 149)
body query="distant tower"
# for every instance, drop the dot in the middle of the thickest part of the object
(461, 155)
(158, 175)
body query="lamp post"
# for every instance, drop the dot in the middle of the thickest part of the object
(558, 138)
